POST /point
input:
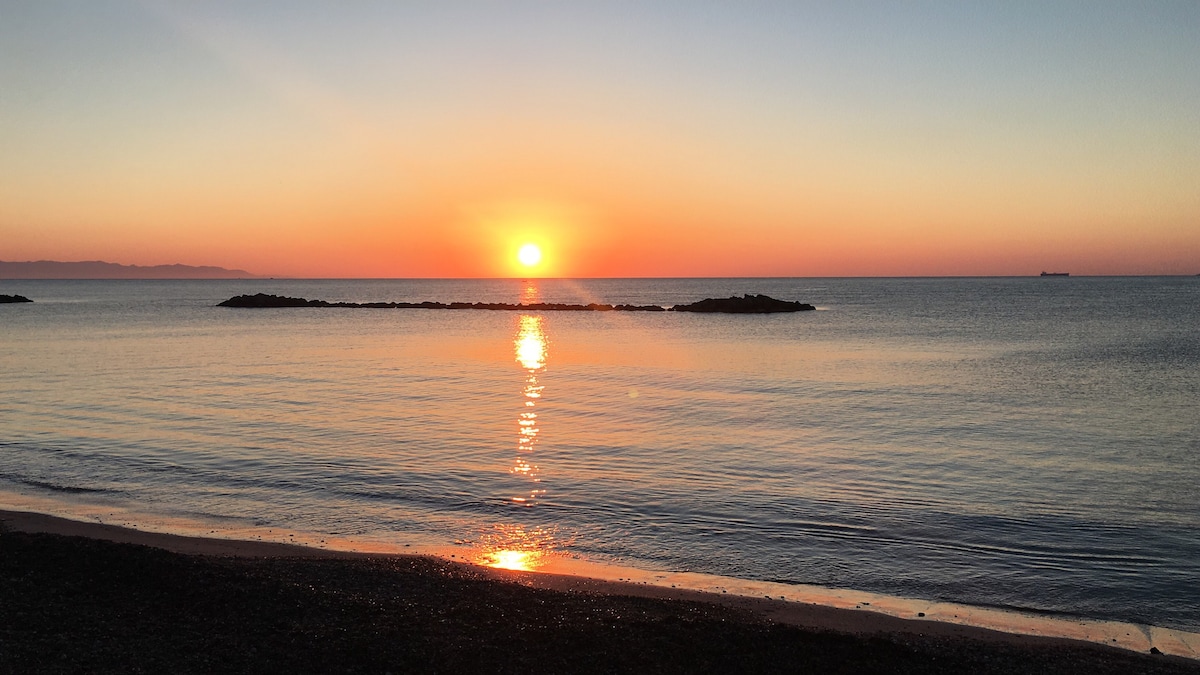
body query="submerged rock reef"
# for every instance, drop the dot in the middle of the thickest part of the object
(262, 300)
(13, 298)
(747, 304)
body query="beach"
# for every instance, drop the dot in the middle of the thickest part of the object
(92, 597)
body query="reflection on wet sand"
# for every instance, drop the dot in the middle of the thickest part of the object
(517, 547)
(514, 545)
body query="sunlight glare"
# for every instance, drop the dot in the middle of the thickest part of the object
(529, 255)
(513, 560)
(531, 344)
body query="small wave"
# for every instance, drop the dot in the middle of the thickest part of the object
(55, 487)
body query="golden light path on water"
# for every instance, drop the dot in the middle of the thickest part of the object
(512, 545)
(531, 354)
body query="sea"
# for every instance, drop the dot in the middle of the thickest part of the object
(1021, 443)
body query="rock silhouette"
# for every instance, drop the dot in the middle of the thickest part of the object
(748, 304)
(263, 300)
(13, 298)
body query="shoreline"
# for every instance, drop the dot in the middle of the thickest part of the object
(840, 612)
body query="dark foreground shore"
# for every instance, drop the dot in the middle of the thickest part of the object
(87, 604)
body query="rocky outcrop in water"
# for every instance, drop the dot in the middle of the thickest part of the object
(263, 300)
(748, 304)
(13, 298)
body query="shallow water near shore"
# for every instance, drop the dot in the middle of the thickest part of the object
(1027, 444)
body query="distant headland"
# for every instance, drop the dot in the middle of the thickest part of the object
(747, 304)
(97, 269)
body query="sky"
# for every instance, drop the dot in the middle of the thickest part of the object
(626, 139)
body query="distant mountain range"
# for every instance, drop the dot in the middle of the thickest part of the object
(96, 269)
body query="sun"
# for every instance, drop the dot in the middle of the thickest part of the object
(529, 255)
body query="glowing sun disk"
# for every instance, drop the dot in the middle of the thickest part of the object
(529, 255)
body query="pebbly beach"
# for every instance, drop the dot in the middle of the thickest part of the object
(90, 597)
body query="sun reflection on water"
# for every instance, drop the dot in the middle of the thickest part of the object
(530, 293)
(531, 343)
(517, 546)
(531, 353)
(512, 560)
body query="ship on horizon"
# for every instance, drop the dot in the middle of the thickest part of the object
(1056, 274)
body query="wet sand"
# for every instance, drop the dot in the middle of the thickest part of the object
(78, 596)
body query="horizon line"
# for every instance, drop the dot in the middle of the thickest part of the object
(826, 276)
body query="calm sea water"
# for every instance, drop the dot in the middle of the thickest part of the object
(1026, 443)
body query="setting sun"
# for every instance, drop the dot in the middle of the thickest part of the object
(529, 255)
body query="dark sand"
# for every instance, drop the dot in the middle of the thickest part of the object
(83, 597)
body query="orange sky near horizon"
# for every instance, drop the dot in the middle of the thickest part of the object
(305, 140)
